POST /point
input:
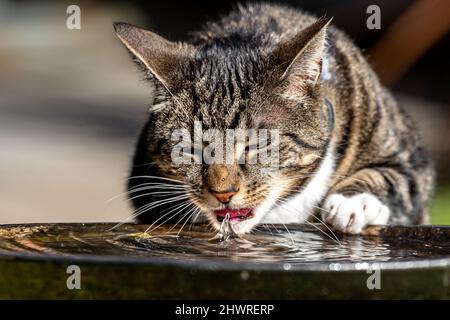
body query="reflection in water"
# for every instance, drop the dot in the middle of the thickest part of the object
(301, 244)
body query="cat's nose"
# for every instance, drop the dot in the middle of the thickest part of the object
(224, 196)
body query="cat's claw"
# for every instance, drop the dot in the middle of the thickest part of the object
(352, 214)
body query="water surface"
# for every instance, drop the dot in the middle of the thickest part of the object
(288, 244)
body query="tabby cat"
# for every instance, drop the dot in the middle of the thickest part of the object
(348, 154)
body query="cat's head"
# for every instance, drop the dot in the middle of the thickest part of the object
(243, 84)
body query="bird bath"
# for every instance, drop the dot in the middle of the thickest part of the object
(293, 261)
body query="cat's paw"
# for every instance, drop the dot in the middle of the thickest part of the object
(352, 214)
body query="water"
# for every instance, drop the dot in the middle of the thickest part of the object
(226, 231)
(291, 245)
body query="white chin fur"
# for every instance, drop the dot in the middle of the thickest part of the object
(300, 206)
(296, 209)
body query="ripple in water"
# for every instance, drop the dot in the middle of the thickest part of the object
(287, 244)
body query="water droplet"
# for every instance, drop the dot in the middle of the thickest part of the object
(335, 266)
(245, 275)
(226, 231)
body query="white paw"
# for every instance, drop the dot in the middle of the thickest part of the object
(352, 214)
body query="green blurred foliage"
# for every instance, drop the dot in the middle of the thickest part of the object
(440, 209)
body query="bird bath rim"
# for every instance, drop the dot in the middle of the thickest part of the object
(212, 265)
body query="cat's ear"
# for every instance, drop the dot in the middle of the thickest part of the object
(160, 56)
(303, 56)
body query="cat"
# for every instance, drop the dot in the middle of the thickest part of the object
(348, 154)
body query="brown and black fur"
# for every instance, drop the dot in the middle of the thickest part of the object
(228, 75)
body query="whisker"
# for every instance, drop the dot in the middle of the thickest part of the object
(267, 228)
(194, 217)
(158, 203)
(179, 208)
(195, 209)
(322, 222)
(313, 225)
(191, 209)
(151, 185)
(275, 228)
(147, 207)
(160, 184)
(156, 177)
(162, 193)
(290, 235)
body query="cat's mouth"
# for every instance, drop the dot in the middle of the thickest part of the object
(236, 215)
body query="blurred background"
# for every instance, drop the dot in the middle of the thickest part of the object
(72, 102)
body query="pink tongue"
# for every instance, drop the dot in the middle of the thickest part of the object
(233, 213)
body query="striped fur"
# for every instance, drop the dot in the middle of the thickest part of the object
(274, 67)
